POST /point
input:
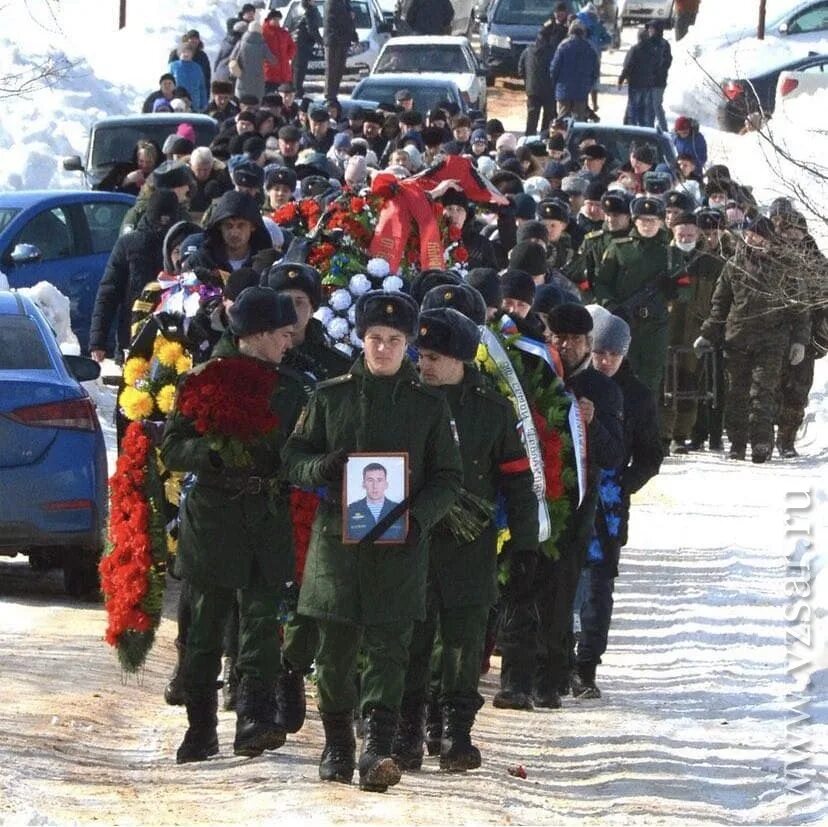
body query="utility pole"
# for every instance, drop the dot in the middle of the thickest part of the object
(122, 14)
(762, 9)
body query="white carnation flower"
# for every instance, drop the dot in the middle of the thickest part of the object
(355, 340)
(338, 328)
(324, 315)
(359, 284)
(352, 314)
(344, 348)
(378, 268)
(340, 300)
(392, 283)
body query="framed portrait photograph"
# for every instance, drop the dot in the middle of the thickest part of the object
(374, 485)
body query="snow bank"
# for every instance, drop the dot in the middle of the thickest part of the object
(96, 71)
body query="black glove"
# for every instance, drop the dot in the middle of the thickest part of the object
(522, 566)
(171, 326)
(332, 465)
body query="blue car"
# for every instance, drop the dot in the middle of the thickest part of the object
(63, 237)
(53, 472)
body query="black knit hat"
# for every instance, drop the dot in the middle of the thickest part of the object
(429, 279)
(449, 332)
(171, 174)
(239, 280)
(388, 308)
(162, 209)
(570, 318)
(644, 205)
(530, 230)
(528, 256)
(525, 206)
(517, 284)
(291, 276)
(259, 310)
(550, 209)
(463, 298)
(487, 282)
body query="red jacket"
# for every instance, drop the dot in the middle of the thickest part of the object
(279, 42)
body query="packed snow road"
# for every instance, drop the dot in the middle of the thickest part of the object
(695, 726)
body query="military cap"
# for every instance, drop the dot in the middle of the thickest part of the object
(710, 219)
(616, 202)
(656, 182)
(570, 318)
(386, 308)
(685, 218)
(463, 298)
(644, 205)
(551, 209)
(680, 200)
(517, 284)
(487, 282)
(594, 152)
(314, 185)
(575, 184)
(171, 174)
(448, 332)
(528, 256)
(280, 175)
(260, 310)
(429, 279)
(248, 174)
(295, 276)
(594, 191)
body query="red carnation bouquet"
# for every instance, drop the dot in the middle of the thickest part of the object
(229, 403)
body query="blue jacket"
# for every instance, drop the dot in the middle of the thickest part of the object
(694, 144)
(574, 69)
(189, 74)
(597, 36)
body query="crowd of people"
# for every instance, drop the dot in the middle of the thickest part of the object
(657, 299)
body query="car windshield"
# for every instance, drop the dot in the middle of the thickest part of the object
(618, 144)
(116, 144)
(522, 12)
(21, 345)
(6, 216)
(419, 59)
(425, 97)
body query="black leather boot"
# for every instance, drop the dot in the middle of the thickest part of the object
(290, 699)
(174, 690)
(583, 682)
(434, 725)
(457, 753)
(201, 739)
(256, 727)
(230, 688)
(377, 769)
(338, 760)
(407, 748)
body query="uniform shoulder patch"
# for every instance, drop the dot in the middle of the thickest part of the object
(337, 380)
(594, 234)
(623, 240)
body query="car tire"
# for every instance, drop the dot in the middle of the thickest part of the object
(80, 577)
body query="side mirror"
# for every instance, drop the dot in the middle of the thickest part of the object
(25, 254)
(783, 28)
(82, 368)
(73, 163)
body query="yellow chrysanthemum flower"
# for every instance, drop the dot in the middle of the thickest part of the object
(183, 364)
(482, 353)
(165, 398)
(135, 369)
(503, 537)
(136, 404)
(156, 345)
(169, 353)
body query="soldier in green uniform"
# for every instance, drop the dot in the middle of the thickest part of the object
(462, 582)
(616, 206)
(235, 541)
(634, 281)
(751, 316)
(555, 215)
(370, 595)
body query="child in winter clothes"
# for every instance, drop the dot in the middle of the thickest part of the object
(189, 74)
(688, 140)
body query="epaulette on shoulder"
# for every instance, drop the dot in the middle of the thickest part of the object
(624, 240)
(594, 234)
(337, 380)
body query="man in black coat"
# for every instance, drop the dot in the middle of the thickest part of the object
(339, 33)
(641, 65)
(429, 16)
(665, 60)
(136, 259)
(533, 67)
(641, 462)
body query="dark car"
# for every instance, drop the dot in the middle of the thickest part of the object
(53, 471)
(507, 27)
(63, 237)
(427, 90)
(112, 141)
(745, 96)
(618, 139)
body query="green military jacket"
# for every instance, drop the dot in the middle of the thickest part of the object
(632, 262)
(230, 539)
(316, 356)
(359, 412)
(755, 303)
(494, 459)
(687, 314)
(585, 266)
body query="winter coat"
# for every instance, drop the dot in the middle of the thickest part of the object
(150, 100)
(429, 16)
(135, 260)
(597, 36)
(229, 539)
(308, 30)
(205, 192)
(751, 310)
(200, 57)
(226, 49)
(533, 66)
(640, 65)
(574, 70)
(188, 73)
(643, 451)
(367, 584)
(251, 54)
(665, 59)
(481, 250)
(694, 144)
(283, 49)
(339, 23)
